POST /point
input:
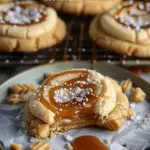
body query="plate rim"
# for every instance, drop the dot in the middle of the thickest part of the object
(49, 64)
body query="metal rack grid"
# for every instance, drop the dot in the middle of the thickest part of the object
(76, 46)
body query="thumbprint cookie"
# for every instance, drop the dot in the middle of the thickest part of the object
(124, 29)
(74, 99)
(27, 26)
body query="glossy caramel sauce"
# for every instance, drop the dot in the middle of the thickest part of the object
(73, 107)
(23, 8)
(88, 143)
(127, 9)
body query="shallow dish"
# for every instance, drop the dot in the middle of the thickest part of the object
(11, 117)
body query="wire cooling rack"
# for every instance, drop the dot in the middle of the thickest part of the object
(76, 46)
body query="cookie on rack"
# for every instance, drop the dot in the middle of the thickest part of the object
(28, 26)
(74, 99)
(124, 29)
(87, 7)
(5, 1)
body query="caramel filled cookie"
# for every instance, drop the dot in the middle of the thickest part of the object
(87, 7)
(124, 29)
(28, 26)
(74, 99)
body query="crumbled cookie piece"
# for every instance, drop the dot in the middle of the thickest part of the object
(40, 145)
(48, 74)
(131, 112)
(15, 147)
(126, 85)
(69, 146)
(16, 98)
(43, 130)
(138, 95)
(39, 128)
(22, 88)
(107, 141)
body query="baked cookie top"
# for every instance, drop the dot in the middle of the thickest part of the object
(26, 19)
(129, 21)
(87, 7)
(73, 94)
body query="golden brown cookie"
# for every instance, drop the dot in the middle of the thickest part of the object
(74, 99)
(87, 7)
(124, 29)
(5, 1)
(29, 26)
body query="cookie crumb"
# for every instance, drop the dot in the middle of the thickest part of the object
(22, 88)
(16, 98)
(126, 85)
(131, 112)
(138, 95)
(40, 145)
(107, 141)
(15, 147)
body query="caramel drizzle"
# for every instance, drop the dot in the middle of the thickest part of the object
(88, 142)
(73, 108)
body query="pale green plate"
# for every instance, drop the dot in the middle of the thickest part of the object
(14, 130)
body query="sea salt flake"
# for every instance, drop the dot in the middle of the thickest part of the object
(132, 105)
(68, 138)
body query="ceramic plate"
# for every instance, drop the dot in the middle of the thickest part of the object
(11, 117)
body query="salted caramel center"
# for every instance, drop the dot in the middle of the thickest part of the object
(23, 14)
(71, 98)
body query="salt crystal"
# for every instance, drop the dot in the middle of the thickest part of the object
(137, 28)
(68, 138)
(84, 103)
(138, 117)
(132, 105)
(34, 94)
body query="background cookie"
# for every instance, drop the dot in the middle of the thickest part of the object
(29, 26)
(5, 1)
(124, 29)
(87, 7)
